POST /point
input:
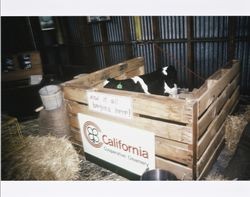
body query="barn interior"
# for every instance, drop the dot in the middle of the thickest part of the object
(50, 51)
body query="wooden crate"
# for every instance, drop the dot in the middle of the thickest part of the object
(189, 130)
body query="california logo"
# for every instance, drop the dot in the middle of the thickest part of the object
(92, 133)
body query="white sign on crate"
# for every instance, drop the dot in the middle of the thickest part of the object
(118, 106)
(121, 145)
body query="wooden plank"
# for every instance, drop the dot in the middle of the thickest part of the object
(181, 172)
(156, 33)
(190, 51)
(231, 37)
(197, 93)
(105, 46)
(161, 129)
(211, 150)
(127, 36)
(110, 72)
(215, 108)
(166, 149)
(195, 138)
(213, 157)
(211, 94)
(132, 73)
(216, 124)
(150, 105)
(20, 74)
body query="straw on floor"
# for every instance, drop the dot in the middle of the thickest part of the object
(39, 158)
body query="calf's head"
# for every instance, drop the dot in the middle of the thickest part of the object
(169, 74)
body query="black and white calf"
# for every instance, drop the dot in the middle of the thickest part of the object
(161, 82)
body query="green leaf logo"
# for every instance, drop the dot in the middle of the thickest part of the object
(119, 86)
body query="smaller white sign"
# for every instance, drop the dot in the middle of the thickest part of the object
(35, 79)
(118, 106)
(121, 145)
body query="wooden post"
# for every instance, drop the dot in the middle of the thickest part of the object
(190, 52)
(88, 35)
(127, 37)
(105, 43)
(195, 139)
(156, 33)
(231, 37)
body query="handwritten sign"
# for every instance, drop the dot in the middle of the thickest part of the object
(118, 106)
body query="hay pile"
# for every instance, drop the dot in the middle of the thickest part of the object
(234, 127)
(39, 158)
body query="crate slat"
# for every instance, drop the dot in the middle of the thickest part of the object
(212, 92)
(215, 108)
(210, 162)
(132, 73)
(161, 129)
(217, 122)
(166, 149)
(181, 172)
(211, 149)
(149, 105)
(94, 78)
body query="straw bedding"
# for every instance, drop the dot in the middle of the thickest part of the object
(234, 127)
(39, 158)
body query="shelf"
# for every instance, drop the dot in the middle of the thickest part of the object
(19, 74)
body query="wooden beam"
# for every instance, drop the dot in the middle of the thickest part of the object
(171, 109)
(195, 138)
(190, 52)
(156, 33)
(231, 37)
(127, 37)
(106, 49)
(116, 70)
(212, 92)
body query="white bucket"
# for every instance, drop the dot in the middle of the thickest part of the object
(51, 96)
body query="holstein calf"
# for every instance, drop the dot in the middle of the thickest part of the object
(161, 82)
